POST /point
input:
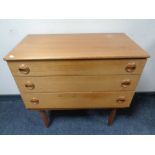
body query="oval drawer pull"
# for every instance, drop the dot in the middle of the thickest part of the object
(34, 100)
(125, 83)
(29, 85)
(24, 69)
(130, 67)
(121, 99)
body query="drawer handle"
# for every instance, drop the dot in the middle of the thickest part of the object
(29, 85)
(34, 101)
(125, 83)
(121, 99)
(130, 67)
(24, 69)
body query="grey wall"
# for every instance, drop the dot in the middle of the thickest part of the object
(13, 31)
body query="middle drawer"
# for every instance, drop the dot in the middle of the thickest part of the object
(77, 83)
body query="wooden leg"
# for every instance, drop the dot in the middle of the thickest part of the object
(44, 117)
(111, 116)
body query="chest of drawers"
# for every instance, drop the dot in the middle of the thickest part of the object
(77, 71)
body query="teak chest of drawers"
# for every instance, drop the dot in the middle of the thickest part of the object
(77, 71)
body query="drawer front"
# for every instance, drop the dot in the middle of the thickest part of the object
(76, 67)
(77, 83)
(77, 100)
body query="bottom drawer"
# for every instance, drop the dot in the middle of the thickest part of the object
(77, 100)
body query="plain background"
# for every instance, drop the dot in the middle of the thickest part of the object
(13, 31)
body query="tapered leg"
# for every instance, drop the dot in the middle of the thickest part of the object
(111, 116)
(44, 117)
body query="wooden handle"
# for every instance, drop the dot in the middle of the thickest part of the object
(34, 100)
(29, 85)
(125, 83)
(24, 69)
(121, 99)
(130, 67)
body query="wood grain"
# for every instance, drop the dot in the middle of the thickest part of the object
(77, 100)
(76, 67)
(76, 83)
(76, 46)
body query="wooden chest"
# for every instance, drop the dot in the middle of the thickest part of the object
(77, 71)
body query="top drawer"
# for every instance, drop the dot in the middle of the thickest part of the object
(76, 67)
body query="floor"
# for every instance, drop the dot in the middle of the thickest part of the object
(138, 119)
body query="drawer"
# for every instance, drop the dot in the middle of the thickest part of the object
(77, 100)
(76, 67)
(77, 83)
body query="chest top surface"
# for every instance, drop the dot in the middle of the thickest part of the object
(76, 46)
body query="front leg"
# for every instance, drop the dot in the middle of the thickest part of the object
(44, 117)
(111, 116)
